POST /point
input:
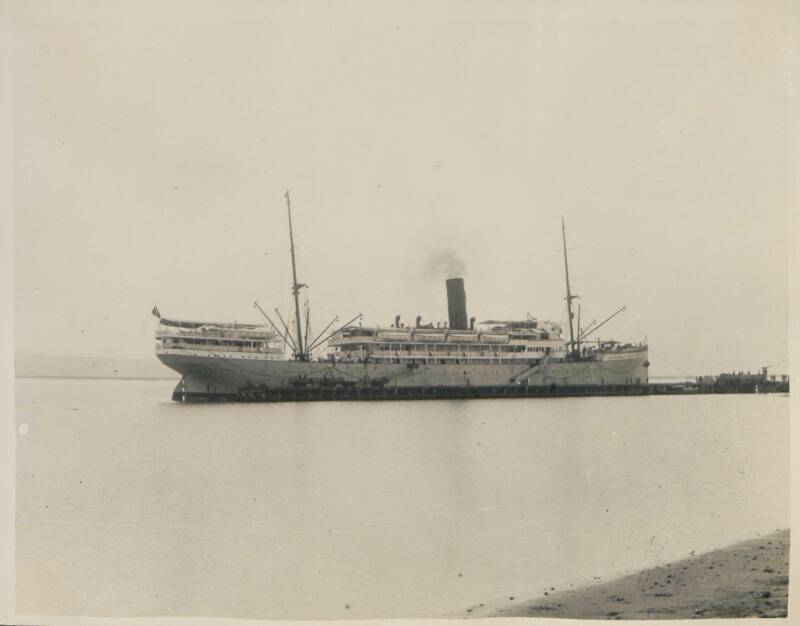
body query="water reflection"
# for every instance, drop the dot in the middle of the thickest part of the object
(409, 509)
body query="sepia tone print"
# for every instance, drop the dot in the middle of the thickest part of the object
(399, 311)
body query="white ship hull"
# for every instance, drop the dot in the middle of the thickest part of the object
(209, 374)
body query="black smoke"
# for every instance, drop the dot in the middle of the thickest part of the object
(446, 263)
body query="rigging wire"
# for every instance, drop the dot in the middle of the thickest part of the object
(661, 358)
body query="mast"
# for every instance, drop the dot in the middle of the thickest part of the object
(570, 297)
(300, 353)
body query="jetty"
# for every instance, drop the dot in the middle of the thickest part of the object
(310, 390)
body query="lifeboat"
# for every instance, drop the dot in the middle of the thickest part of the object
(462, 337)
(428, 337)
(494, 338)
(393, 335)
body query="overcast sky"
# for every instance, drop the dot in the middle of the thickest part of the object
(155, 140)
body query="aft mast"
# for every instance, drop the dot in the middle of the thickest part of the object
(570, 297)
(300, 352)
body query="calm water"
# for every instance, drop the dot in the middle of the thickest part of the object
(131, 505)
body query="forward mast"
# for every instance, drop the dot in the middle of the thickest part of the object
(301, 354)
(570, 297)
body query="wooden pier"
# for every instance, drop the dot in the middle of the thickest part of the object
(319, 393)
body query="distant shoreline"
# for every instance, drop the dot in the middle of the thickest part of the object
(101, 377)
(747, 579)
(90, 367)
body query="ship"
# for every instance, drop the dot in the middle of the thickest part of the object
(461, 357)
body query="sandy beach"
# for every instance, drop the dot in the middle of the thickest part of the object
(747, 579)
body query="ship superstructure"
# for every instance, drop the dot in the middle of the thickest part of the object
(506, 342)
(489, 342)
(218, 339)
